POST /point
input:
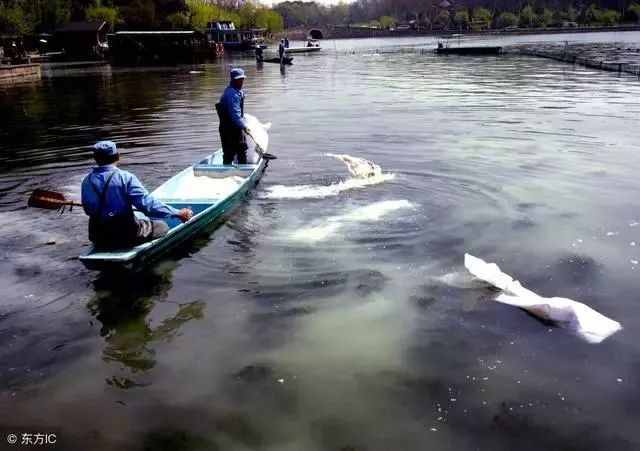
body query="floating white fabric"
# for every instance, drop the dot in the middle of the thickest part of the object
(364, 173)
(582, 319)
(258, 131)
(368, 213)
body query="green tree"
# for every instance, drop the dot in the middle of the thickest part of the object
(482, 15)
(461, 18)
(387, 22)
(591, 15)
(443, 18)
(507, 19)
(337, 14)
(571, 14)
(202, 12)
(546, 18)
(13, 20)
(609, 17)
(178, 21)
(269, 19)
(247, 15)
(635, 10)
(232, 16)
(103, 13)
(528, 17)
(139, 13)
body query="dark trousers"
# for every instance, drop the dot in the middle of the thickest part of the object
(126, 231)
(233, 145)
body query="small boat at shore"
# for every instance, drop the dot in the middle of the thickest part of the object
(286, 60)
(209, 188)
(468, 50)
(303, 49)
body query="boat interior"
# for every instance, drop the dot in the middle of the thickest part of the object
(197, 187)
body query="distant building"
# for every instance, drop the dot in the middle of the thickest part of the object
(83, 39)
(153, 47)
(225, 32)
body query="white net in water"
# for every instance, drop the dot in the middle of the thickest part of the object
(576, 316)
(364, 173)
(258, 131)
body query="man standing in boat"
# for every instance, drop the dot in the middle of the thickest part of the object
(108, 197)
(281, 51)
(232, 124)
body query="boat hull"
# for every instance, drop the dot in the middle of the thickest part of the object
(469, 51)
(138, 257)
(285, 60)
(303, 50)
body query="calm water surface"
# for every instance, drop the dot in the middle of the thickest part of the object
(318, 317)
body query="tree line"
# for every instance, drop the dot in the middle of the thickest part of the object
(24, 17)
(460, 14)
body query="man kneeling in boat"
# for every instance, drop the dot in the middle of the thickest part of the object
(108, 197)
(232, 125)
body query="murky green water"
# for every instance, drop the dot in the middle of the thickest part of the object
(317, 318)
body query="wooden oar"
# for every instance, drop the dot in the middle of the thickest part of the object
(263, 154)
(50, 200)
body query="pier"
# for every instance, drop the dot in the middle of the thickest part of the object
(19, 73)
(605, 56)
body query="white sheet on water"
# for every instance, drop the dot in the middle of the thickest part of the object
(191, 187)
(364, 173)
(258, 130)
(576, 316)
(369, 213)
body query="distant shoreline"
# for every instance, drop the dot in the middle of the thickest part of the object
(364, 33)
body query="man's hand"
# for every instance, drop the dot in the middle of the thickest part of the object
(185, 214)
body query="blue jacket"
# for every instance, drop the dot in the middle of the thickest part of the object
(232, 103)
(124, 192)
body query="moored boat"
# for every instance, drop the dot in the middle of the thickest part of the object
(285, 60)
(468, 50)
(303, 49)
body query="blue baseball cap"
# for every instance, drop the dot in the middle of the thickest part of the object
(105, 148)
(237, 73)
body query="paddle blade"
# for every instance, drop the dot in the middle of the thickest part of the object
(269, 156)
(49, 200)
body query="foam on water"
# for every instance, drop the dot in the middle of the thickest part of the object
(364, 173)
(368, 213)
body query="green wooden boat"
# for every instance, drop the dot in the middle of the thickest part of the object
(209, 188)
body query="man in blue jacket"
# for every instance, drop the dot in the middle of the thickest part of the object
(232, 124)
(108, 197)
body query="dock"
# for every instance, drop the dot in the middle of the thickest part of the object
(19, 73)
(621, 58)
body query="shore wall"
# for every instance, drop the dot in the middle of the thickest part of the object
(20, 73)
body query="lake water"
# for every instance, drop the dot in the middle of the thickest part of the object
(326, 314)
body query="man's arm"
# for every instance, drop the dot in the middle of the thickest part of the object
(235, 111)
(148, 204)
(89, 198)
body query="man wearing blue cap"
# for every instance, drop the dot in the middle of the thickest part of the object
(108, 197)
(232, 125)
